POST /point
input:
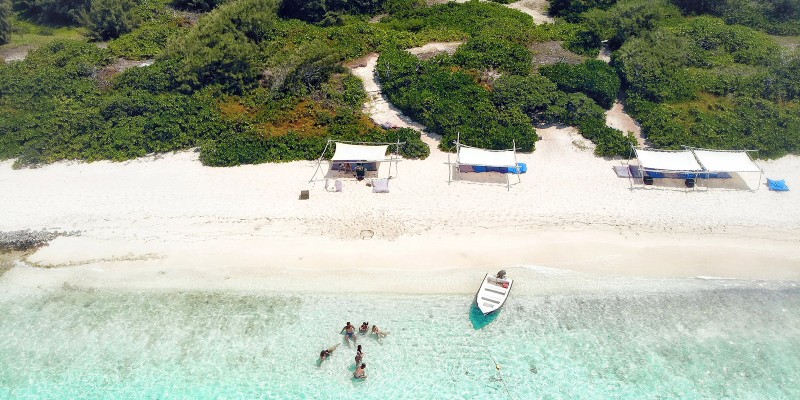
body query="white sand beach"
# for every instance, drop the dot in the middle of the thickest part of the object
(169, 222)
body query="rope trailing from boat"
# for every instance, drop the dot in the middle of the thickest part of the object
(499, 374)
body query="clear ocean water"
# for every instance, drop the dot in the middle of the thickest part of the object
(710, 342)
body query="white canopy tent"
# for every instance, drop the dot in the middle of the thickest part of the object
(667, 160)
(473, 156)
(738, 161)
(693, 163)
(360, 152)
(726, 161)
(495, 158)
(353, 152)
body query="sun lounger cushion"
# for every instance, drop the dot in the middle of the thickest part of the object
(380, 186)
(622, 171)
(777, 185)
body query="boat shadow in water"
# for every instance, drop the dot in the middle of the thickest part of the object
(479, 321)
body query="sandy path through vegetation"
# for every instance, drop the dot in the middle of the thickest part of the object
(617, 118)
(378, 106)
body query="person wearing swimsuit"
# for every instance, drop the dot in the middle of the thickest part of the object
(359, 355)
(377, 332)
(325, 354)
(349, 332)
(361, 372)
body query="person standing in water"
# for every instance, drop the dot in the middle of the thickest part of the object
(359, 355)
(349, 332)
(364, 328)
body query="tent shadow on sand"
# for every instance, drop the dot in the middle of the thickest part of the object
(479, 321)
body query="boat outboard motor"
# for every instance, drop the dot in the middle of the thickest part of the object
(501, 274)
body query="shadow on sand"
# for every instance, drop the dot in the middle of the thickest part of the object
(479, 321)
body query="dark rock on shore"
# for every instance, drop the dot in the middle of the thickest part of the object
(27, 239)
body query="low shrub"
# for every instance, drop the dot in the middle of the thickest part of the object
(251, 147)
(594, 78)
(721, 123)
(5, 23)
(571, 10)
(485, 53)
(196, 5)
(147, 41)
(108, 19)
(451, 103)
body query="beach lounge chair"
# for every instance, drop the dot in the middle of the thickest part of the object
(777, 185)
(380, 186)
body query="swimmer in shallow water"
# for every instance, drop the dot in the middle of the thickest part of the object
(361, 372)
(378, 332)
(364, 328)
(325, 354)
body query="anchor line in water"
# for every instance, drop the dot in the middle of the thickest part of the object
(499, 373)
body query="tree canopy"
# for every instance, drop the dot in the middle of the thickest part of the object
(249, 81)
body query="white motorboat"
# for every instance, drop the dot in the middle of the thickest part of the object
(493, 292)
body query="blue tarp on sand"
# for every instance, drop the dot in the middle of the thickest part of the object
(523, 168)
(777, 185)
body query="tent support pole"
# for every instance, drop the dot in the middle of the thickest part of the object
(516, 163)
(449, 170)
(458, 155)
(397, 157)
(319, 162)
(630, 173)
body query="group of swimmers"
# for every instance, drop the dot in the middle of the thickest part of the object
(350, 335)
(349, 331)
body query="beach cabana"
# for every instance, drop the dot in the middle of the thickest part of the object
(653, 163)
(715, 162)
(483, 160)
(371, 155)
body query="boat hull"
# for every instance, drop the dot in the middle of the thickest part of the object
(492, 294)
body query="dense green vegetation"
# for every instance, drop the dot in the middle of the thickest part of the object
(5, 25)
(781, 17)
(458, 95)
(52, 11)
(571, 10)
(594, 78)
(196, 5)
(449, 102)
(108, 19)
(714, 85)
(700, 81)
(452, 101)
(264, 80)
(330, 11)
(273, 97)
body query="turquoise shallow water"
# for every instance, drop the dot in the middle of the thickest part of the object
(697, 344)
